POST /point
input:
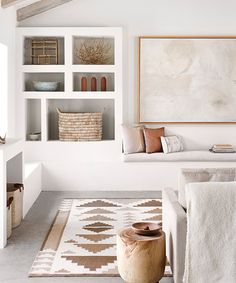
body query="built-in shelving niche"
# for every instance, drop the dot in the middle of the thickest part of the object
(102, 48)
(110, 81)
(106, 106)
(33, 118)
(44, 51)
(29, 78)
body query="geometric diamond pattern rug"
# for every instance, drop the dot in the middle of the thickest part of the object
(82, 238)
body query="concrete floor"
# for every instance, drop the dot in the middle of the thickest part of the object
(17, 258)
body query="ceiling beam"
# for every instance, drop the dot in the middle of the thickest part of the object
(38, 8)
(8, 3)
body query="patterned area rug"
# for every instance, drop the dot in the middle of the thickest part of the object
(82, 238)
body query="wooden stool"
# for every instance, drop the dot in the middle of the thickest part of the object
(141, 259)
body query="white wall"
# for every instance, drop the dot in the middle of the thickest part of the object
(7, 37)
(143, 17)
(3, 89)
(152, 17)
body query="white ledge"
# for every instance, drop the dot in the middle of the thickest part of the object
(194, 156)
(11, 148)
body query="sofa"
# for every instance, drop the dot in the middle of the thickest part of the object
(174, 212)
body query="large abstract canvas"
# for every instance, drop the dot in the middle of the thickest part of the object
(189, 80)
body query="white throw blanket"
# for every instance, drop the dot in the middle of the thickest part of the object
(211, 233)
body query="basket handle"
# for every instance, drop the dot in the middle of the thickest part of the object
(9, 202)
(19, 186)
(58, 110)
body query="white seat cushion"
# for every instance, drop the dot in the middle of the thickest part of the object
(203, 155)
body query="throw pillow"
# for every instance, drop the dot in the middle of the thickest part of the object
(133, 140)
(153, 139)
(172, 144)
(196, 175)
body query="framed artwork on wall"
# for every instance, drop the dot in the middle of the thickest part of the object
(187, 79)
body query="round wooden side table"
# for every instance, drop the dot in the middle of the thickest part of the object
(141, 259)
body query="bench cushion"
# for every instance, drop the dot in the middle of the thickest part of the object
(196, 175)
(203, 155)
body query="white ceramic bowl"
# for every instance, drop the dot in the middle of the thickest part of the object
(34, 136)
(45, 86)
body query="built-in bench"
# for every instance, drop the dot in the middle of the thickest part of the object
(183, 156)
(32, 184)
(155, 171)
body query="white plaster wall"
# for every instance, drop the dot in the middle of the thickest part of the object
(152, 17)
(138, 17)
(7, 37)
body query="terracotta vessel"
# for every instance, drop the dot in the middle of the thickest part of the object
(83, 84)
(103, 84)
(93, 84)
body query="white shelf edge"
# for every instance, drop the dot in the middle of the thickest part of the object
(64, 68)
(72, 31)
(73, 95)
(42, 94)
(93, 68)
(71, 142)
(43, 68)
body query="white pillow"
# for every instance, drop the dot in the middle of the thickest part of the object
(133, 140)
(172, 144)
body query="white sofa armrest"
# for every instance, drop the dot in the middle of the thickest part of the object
(175, 227)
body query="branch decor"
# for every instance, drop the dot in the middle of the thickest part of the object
(94, 51)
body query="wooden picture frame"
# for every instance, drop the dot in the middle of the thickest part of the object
(217, 47)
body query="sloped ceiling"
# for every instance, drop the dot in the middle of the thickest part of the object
(26, 9)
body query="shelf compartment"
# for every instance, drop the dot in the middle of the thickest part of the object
(106, 106)
(110, 81)
(43, 77)
(33, 118)
(44, 51)
(89, 50)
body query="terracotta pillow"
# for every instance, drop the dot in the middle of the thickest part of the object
(153, 139)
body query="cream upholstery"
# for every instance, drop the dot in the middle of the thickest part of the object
(210, 241)
(174, 216)
(175, 227)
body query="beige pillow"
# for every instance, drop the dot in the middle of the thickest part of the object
(196, 175)
(153, 139)
(133, 140)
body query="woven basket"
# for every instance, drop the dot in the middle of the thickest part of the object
(16, 191)
(9, 217)
(79, 126)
